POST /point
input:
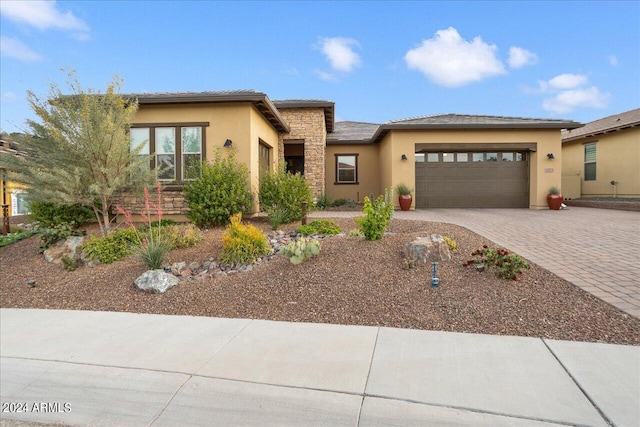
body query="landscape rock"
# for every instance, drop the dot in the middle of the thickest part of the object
(177, 267)
(156, 281)
(427, 249)
(70, 247)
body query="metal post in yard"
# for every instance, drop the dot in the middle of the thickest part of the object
(5, 219)
(304, 212)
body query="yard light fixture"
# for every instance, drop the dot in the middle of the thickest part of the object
(434, 280)
(228, 143)
(550, 156)
(404, 157)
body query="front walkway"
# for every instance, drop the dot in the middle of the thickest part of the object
(595, 249)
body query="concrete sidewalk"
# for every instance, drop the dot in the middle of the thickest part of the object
(124, 369)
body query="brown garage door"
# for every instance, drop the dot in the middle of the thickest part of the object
(472, 180)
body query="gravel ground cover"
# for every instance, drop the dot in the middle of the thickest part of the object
(352, 281)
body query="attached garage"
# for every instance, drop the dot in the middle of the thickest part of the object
(475, 179)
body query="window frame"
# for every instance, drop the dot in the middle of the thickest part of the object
(179, 172)
(337, 169)
(592, 164)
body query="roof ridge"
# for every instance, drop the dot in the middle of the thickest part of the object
(476, 115)
(357, 121)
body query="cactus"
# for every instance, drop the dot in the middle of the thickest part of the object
(300, 250)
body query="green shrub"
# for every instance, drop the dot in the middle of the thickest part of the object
(284, 191)
(152, 252)
(319, 226)
(15, 236)
(49, 214)
(355, 232)
(112, 247)
(451, 243)
(69, 263)
(300, 250)
(340, 202)
(182, 236)
(376, 216)
(49, 236)
(276, 215)
(220, 192)
(324, 201)
(507, 265)
(242, 244)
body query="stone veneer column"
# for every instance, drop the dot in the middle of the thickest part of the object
(307, 124)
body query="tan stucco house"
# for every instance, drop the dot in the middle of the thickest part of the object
(451, 160)
(602, 158)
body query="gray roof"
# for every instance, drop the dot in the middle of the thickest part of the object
(613, 123)
(260, 100)
(327, 106)
(352, 132)
(467, 121)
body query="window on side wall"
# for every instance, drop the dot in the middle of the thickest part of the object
(590, 162)
(346, 168)
(19, 205)
(176, 151)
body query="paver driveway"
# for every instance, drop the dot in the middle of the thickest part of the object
(595, 249)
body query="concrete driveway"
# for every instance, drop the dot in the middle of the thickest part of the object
(595, 249)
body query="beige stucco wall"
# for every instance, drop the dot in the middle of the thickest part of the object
(543, 173)
(239, 122)
(617, 159)
(368, 172)
(308, 124)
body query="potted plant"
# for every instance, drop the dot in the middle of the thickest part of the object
(554, 199)
(404, 196)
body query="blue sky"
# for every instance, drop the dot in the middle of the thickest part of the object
(378, 61)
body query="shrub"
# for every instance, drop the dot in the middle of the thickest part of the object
(340, 202)
(507, 265)
(242, 244)
(355, 232)
(276, 215)
(300, 250)
(220, 192)
(324, 201)
(112, 247)
(182, 236)
(319, 226)
(15, 236)
(69, 263)
(49, 236)
(50, 215)
(451, 243)
(285, 191)
(376, 216)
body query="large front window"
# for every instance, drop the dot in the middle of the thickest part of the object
(176, 151)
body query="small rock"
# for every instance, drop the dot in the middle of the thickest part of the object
(176, 267)
(194, 266)
(480, 267)
(31, 283)
(218, 274)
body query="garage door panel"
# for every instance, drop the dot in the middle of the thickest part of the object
(472, 184)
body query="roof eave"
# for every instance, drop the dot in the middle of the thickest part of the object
(600, 132)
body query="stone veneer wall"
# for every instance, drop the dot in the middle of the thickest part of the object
(307, 124)
(172, 203)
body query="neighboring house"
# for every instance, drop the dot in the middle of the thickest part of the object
(12, 195)
(451, 160)
(602, 158)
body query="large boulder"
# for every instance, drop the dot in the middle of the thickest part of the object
(71, 247)
(156, 281)
(427, 249)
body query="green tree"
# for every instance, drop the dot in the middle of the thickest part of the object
(79, 149)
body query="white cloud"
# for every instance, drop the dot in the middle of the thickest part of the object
(327, 77)
(519, 57)
(572, 91)
(564, 81)
(14, 48)
(9, 97)
(339, 52)
(44, 15)
(613, 60)
(449, 60)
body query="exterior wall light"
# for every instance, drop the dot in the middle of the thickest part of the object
(550, 156)
(228, 143)
(404, 157)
